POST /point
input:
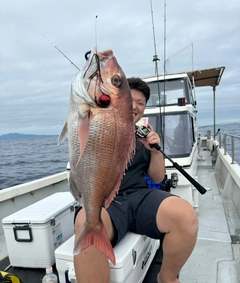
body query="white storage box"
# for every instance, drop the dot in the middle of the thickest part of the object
(134, 255)
(33, 233)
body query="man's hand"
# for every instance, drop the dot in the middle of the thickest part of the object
(151, 138)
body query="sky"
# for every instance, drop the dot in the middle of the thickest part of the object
(35, 78)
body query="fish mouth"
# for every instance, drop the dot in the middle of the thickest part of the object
(103, 101)
(92, 77)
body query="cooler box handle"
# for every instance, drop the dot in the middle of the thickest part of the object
(23, 237)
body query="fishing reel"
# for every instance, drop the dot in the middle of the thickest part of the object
(141, 131)
(167, 184)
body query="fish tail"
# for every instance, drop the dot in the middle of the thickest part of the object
(90, 236)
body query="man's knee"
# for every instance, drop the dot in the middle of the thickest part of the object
(108, 224)
(178, 213)
(79, 220)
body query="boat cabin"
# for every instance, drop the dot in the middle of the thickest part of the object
(171, 110)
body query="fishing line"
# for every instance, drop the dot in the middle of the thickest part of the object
(60, 51)
(97, 72)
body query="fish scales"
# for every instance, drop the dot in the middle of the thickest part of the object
(101, 140)
(99, 165)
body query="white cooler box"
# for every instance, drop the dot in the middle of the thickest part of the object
(32, 234)
(134, 255)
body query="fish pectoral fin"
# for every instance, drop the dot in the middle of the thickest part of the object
(83, 127)
(97, 237)
(63, 134)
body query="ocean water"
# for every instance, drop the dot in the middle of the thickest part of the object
(24, 160)
(230, 128)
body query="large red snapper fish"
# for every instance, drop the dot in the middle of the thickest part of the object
(101, 140)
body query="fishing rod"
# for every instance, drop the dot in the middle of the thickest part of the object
(216, 133)
(87, 53)
(142, 132)
(156, 59)
(60, 52)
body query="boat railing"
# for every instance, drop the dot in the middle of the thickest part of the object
(229, 142)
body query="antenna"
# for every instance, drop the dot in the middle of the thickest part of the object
(155, 59)
(165, 39)
(164, 67)
(96, 31)
(60, 51)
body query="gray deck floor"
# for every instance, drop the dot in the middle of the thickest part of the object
(212, 259)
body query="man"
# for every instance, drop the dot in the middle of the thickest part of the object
(138, 209)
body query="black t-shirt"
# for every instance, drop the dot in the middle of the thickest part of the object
(134, 175)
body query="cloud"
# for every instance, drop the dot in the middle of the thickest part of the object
(35, 77)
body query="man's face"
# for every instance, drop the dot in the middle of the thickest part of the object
(138, 103)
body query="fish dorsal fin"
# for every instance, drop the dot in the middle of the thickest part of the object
(83, 127)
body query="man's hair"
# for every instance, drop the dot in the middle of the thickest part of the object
(139, 84)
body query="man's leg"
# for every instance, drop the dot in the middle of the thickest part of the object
(91, 265)
(177, 218)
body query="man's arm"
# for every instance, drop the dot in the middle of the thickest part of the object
(156, 170)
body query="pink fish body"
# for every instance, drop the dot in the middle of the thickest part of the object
(101, 139)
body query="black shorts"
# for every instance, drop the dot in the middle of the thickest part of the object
(135, 211)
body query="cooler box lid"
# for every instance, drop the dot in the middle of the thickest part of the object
(123, 250)
(65, 251)
(42, 211)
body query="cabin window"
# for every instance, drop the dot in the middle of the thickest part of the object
(173, 90)
(178, 135)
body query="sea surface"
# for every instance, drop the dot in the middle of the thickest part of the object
(24, 160)
(230, 128)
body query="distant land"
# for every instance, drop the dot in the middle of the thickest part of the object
(12, 136)
(15, 136)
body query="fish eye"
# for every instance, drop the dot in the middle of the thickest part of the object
(116, 81)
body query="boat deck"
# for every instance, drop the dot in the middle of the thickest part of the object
(216, 257)
(29, 275)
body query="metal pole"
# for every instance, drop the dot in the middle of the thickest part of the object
(233, 157)
(214, 111)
